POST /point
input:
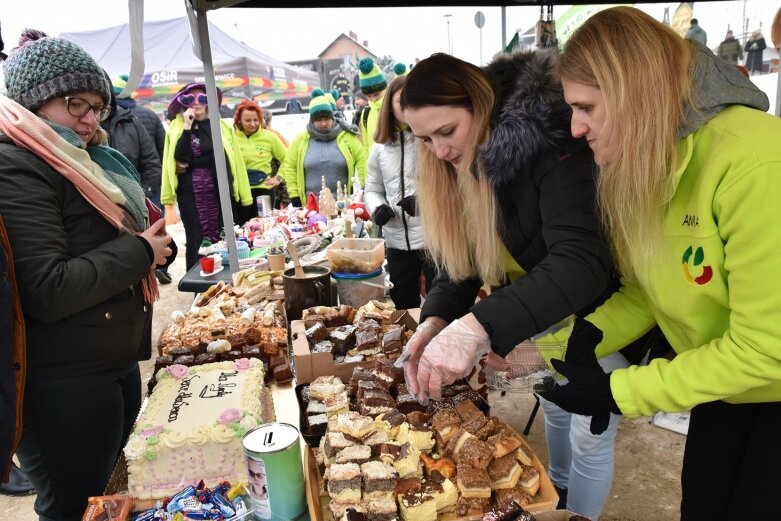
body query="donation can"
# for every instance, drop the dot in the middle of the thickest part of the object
(276, 472)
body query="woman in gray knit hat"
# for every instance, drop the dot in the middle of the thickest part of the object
(85, 244)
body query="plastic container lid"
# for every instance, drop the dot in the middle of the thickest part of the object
(356, 276)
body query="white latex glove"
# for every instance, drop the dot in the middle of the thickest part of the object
(451, 355)
(413, 349)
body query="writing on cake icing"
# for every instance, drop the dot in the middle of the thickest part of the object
(222, 387)
(179, 401)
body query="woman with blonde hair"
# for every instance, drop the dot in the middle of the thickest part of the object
(689, 188)
(506, 198)
(391, 184)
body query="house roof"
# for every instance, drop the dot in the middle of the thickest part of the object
(352, 40)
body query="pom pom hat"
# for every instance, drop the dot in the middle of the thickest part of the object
(400, 69)
(118, 83)
(320, 106)
(42, 69)
(330, 97)
(371, 77)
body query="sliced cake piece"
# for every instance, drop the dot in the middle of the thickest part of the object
(417, 507)
(529, 480)
(469, 450)
(337, 403)
(504, 472)
(443, 491)
(382, 510)
(473, 482)
(324, 386)
(344, 482)
(379, 480)
(407, 463)
(359, 454)
(516, 494)
(339, 509)
(355, 425)
(472, 506)
(418, 434)
(333, 442)
(444, 422)
(504, 442)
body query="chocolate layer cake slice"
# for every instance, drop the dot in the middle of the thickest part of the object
(504, 472)
(359, 454)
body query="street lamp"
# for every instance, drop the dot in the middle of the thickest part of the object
(447, 19)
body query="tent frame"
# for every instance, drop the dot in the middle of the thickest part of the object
(199, 29)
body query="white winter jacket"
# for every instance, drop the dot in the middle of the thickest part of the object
(384, 186)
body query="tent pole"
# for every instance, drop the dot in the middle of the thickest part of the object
(214, 122)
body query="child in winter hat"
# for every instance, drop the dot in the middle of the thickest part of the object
(371, 77)
(46, 68)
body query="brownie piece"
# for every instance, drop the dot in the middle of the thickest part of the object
(251, 351)
(163, 361)
(377, 398)
(392, 338)
(316, 333)
(253, 336)
(317, 424)
(206, 358)
(237, 341)
(283, 373)
(335, 320)
(366, 339)
(231, 355)
(176, 352)
(343, 339)
(277, 361)
(187, 360)
(385, 370)
(365, 386)
(407, 403)
(374, 317)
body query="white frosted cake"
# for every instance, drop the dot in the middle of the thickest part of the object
(192, 427)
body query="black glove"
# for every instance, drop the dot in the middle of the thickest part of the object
(410, 205)
(588, 391)
(382, 214)
(295, 201)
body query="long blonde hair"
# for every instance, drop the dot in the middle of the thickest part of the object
(457, 206)
(642, 68)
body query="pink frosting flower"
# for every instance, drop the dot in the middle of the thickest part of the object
(243, 364)
(152, 431)
(178, 371)
(229, 416)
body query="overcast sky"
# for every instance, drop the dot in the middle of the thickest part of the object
(404, 33)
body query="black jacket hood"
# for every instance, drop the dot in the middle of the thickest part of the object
(530, 114)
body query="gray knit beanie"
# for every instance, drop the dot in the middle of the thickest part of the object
(45, 68)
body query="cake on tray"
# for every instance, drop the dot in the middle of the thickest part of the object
(192, 427)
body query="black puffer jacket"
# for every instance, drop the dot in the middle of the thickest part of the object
(544, 182)
(152, 124)
(78, 277)
(128, 135)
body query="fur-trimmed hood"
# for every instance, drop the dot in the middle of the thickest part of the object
(530, 114)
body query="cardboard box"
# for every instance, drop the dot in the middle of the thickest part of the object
(309, 366)
(317, 498)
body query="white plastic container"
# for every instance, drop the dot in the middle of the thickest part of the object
(357, 289)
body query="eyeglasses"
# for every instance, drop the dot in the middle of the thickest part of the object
(189, 99)
(78, 107)
(255, 475)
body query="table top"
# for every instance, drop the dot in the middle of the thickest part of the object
(195, 283)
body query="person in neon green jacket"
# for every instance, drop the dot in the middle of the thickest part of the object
(373, 84)
(689, 187)
(329, 149)
(189, 170)
(258, 147)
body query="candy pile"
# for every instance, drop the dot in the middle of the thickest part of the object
(223, 502)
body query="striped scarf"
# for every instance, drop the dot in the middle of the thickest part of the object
(109, 186)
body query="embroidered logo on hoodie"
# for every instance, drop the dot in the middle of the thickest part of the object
(696, 264)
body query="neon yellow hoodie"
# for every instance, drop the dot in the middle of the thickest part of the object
(292, 168)
(713, 283)
(372, 120)
(258, 150)
(241, 189)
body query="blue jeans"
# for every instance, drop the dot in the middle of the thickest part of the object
(580, 461)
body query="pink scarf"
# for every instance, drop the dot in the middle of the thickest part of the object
(28, 131)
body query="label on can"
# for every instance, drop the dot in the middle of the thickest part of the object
(275, 470)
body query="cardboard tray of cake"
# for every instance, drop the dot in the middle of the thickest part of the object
(335, 340)
(444, 463)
